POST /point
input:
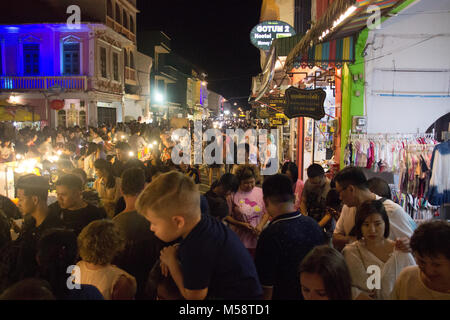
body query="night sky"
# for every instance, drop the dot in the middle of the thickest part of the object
(214, 35)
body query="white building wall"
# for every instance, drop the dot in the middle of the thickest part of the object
(407, 69)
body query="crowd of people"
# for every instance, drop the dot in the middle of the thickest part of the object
(129, 227)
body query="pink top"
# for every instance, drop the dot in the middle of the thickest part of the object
(298, 193)
(251, 205)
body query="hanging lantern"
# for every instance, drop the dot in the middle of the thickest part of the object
(57, 104)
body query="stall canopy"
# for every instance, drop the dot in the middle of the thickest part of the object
(330, 41)
(17, 112)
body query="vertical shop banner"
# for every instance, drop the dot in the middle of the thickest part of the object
(305, 103)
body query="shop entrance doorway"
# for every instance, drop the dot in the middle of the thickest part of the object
(106, 116)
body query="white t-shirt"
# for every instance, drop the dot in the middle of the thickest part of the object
(409, 286)
(359, 258)
(400, 223)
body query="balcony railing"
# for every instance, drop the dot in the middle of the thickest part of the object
(130, 74)
(120, 29)
(43, 83)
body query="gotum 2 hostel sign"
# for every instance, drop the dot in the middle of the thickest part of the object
(264, 33)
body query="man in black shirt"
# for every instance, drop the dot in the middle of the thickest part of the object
(123, 150)
(18, 258)
(285, 242)
(74, 212)
(142, 247)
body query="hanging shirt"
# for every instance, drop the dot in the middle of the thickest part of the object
(439, 189)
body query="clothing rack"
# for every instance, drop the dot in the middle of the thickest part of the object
(389, 136)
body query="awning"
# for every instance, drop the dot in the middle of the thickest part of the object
(328, 54)
(342, 20)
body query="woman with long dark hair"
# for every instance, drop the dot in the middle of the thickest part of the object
(107, 186)
(324, 275)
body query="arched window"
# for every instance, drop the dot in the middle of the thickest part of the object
(125, 19)
(62, 118)
(132, 25)
(109, 11)
(125, 57)
(118, 14)
(131, 59)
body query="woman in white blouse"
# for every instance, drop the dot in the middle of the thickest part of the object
(373, 261)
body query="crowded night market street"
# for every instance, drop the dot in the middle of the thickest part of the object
(253, 151)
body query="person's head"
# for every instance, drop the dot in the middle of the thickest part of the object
(227, 184)
(29, 289)
(100, 241)
(291, 170)
(350, 181)
(69, 189)
(92, 148)
(379, 187)
(161, 287)
(133, 181)
(324, 275)
(32, 192)
(171, 203)
(316, 175)
(277, 191)
(103, 168)
(431, 250)
(247, 175)
(81, 174)
(123, 150)
(6, 142)
(372, 221)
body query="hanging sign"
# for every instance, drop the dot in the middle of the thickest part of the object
(264, 33)
(305, 103)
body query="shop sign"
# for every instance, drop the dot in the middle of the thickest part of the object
(305, 103)
(277, 121)
(264, 33)
(279, 102)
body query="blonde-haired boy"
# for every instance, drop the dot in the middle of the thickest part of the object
(210, 261)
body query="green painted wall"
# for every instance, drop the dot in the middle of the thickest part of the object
(351, 104)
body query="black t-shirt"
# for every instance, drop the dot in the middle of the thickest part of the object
(281, 248)
(18, 258)
(213, 257)
(77, 219)
(142, 248)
